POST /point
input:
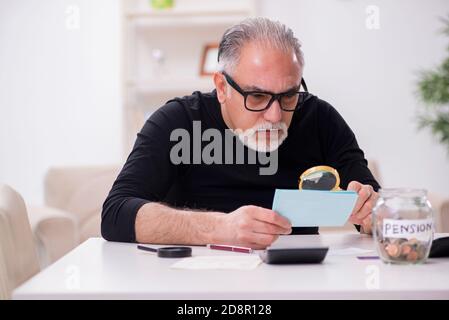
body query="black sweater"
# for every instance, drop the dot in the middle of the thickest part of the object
(318, 135)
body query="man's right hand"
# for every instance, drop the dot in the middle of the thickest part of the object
(254, 227)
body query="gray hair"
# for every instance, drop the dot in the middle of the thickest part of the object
(262, 30)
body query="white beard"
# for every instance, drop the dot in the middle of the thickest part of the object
(255, 139)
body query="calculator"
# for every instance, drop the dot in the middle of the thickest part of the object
(294, 255)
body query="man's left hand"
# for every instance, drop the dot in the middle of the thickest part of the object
(367, 198)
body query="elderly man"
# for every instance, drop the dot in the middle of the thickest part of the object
(260, 98)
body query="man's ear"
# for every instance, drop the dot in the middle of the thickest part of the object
(220, 86)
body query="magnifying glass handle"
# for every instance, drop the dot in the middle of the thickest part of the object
(146, 248)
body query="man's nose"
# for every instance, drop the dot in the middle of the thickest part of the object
(274, 112)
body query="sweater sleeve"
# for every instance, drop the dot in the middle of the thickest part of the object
(146, 177)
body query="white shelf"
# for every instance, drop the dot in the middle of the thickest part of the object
(179, 19)
(178, 13)
(167, 86)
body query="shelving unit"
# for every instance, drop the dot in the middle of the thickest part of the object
(176, 37)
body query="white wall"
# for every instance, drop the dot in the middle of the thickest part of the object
(59, 88)
(370, 76)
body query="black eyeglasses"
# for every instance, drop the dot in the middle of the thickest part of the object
(262, 100)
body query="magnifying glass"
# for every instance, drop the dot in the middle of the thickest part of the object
(169, 252)
(320, 178)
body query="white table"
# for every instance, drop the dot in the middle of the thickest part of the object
(98, 269)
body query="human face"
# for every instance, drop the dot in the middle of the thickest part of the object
(260, 68)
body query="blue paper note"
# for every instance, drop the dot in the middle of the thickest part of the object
(307, 208)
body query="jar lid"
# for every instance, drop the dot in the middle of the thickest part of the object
(402, 192)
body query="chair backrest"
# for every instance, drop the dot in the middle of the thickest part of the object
(4, 283)
(445, 216)
(61, 183)
(80, 191)
(18, 256)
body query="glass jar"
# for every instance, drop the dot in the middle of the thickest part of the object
(403, 225)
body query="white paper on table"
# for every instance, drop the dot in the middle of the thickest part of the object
(348, 251)
(248, 262)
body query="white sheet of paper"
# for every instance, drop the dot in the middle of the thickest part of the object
(348, 251)
(247, 262)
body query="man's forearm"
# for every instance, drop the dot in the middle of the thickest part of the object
(160, 224)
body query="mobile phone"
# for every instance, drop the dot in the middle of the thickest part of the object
(294, 255)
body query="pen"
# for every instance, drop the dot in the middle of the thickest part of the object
(367, 257)
(229, 248)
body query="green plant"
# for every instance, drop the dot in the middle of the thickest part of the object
(434, 92)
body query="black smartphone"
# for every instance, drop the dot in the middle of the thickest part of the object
(294, 255)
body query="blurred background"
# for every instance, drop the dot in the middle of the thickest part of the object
(78, 78)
